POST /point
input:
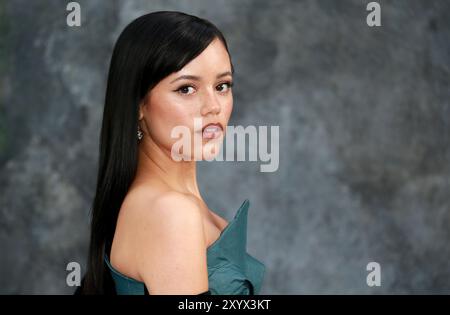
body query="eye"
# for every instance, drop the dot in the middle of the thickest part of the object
(224, 87)
(186, 90)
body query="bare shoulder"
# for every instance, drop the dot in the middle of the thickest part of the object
(170, 246)
(147, 205)
(166, 209)
(169, 215)
(171, 201)
(151, 217)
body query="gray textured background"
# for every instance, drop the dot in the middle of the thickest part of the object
(364, 120)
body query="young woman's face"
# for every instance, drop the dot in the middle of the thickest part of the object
(200, 92)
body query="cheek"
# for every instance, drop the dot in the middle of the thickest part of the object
(227, 109)
(164, 115)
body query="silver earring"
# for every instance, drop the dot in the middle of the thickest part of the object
(140, 134)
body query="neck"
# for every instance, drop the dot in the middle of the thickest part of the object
(156, 163)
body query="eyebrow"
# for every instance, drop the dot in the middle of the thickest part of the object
(197, 78)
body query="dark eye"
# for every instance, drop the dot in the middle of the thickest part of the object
(186, 89)
(224, 87)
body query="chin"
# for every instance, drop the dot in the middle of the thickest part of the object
(211, 150)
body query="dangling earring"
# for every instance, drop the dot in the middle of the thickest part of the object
(140, 134)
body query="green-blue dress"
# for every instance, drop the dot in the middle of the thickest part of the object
(231, 270)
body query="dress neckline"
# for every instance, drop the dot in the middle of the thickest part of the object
(208, 249)
(227, 227)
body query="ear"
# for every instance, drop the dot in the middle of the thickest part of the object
(141, 114)
(142, 105)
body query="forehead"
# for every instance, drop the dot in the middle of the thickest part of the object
(214, 59)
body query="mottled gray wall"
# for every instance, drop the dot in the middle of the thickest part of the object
(364, 118)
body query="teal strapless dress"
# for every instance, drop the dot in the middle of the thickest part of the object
(231, 270)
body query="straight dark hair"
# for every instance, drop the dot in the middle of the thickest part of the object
(150, 48)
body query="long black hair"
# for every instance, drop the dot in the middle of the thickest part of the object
(150, 48)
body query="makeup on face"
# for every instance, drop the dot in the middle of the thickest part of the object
(212, 131)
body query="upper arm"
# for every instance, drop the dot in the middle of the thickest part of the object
(172, 257)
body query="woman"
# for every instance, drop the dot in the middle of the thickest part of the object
(151, 231)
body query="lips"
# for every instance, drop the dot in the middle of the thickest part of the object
(212, 131)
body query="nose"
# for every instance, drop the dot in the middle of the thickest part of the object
(211, 105)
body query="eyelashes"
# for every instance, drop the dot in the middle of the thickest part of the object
(186, 89)
(229, 84)
(189, 89)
